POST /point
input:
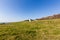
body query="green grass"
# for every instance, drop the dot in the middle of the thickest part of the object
(35, 30)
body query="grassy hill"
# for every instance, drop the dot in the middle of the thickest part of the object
(35, 30)
(55, 16)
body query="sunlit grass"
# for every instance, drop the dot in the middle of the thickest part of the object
(35, 30)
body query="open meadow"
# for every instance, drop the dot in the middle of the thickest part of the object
(35, 30)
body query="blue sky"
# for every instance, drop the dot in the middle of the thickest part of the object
(18, 10)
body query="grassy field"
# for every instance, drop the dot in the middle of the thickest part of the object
(35, 30)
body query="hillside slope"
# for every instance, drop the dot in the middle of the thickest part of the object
(56, 16)
(35, 30)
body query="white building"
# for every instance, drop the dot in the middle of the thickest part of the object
(29, 20)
